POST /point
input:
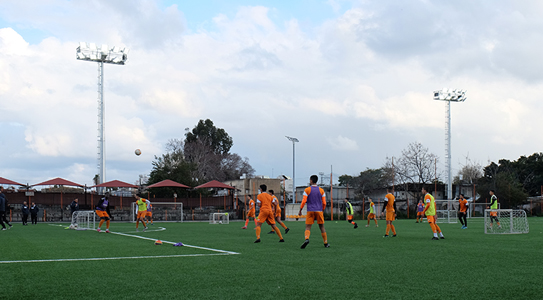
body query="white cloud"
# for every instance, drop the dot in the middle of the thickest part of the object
(343, 143)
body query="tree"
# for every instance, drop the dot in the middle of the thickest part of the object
(415, 166)
(212, 138)
(172, 165)
(366, 181)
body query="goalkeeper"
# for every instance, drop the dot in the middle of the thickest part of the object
(102, 210)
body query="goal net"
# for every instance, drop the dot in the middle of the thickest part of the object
(161, 211)
(83, 220)
(506, 221)
(291, 212)
(219, 218)
(446, 211)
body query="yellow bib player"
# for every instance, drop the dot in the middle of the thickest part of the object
(430, 212)
(371, 214)
(350, 212)
(142, 212)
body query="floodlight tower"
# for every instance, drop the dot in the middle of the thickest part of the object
(449, 96)
(104, 54)
(294, 141)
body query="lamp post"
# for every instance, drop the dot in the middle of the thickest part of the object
(449, 96)
(101, 55)
(294, 141)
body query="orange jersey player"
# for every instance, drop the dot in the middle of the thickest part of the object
(420, 209)
(277, 213)
(316, 203)
(390, 207)
(264, 201)
(250, 212)
(462, 211)
(430, 212)
(371, 214)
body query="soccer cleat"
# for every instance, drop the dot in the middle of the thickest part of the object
(376, 225)
(442, 237)
(304, 244)
(281, 241)
(137, 230)
(99, 230)
(271, 232)
(257, 241)
(394, 236)
(355, 225)
(434, 238)
(386, 235)
(107, 230)
(4, 229)
(287, 230)
(12, 226)
(326, 245)
(145, 228)
(465, 227)
(244, 227)
(417, 222)
(367, 225)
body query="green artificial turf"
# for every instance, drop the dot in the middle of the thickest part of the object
(360, 264)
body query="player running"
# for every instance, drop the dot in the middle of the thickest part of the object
(149, 213)
(251, 212)
(315, 198)
(277, 213)
(371, 215)
(462, 211)
(390, 207)
(430, 212)
(349, 212)
(264, 201)
(142, 211)
(102, 210)
(494, 205)
(420, 209)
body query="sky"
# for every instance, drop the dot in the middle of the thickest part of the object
(352, 80)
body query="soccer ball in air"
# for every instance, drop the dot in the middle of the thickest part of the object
(138, 152)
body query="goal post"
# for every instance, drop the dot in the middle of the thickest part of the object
(84, 220)
(291, 212)
(161, 211)
(446, 211)
(506, 221)
(219, 218)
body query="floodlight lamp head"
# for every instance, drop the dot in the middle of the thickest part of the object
(292, 139)
(104, 54)
(450, 95)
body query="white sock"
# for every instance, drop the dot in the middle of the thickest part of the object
(441, 234)
(435, 234)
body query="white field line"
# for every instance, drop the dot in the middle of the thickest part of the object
(106, 258)
(168, 242)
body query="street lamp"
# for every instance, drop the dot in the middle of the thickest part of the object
(294, 141)
(101, 55)
(449, 96)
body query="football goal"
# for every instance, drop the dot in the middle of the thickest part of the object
(83, 220)
(162, 211)
(506, 221)
(219, 218)
(446, 211)
(291, 212)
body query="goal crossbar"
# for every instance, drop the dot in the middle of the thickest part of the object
(219, 218)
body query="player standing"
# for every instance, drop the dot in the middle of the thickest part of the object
(277, 213)
(250, 212)
(462, 211)
(264, 201)
(371, 215)
(430, 212)
(420, 209)
(494, 214)
(390, 207)
(349, 212)
(149, 213)
(315, 198)
(102, 210)
(142, 211)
